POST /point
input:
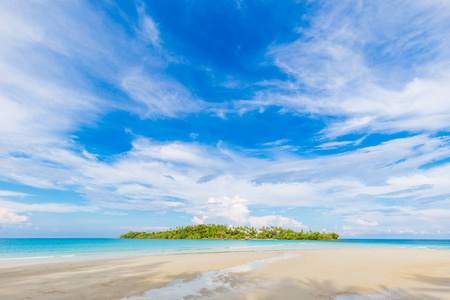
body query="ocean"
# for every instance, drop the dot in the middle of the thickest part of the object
(61, 249)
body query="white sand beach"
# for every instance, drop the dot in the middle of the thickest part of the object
(307, 274)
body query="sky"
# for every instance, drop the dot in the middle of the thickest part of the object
(146, 115)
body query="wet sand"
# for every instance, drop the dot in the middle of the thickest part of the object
(306, 274)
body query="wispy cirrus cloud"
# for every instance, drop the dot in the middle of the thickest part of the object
(4, 193)
(52, 67)
(148, 29)
(66, 57)
(375, 66)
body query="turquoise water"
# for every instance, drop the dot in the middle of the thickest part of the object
(36, 250)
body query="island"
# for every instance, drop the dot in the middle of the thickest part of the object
(213, 231)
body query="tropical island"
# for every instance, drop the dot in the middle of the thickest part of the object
(212, 231)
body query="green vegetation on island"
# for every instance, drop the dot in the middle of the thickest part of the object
(212, 231)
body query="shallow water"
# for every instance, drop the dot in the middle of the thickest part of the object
(207, 282)
(37, 250)
(391, 294)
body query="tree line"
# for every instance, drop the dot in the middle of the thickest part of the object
(212, 231)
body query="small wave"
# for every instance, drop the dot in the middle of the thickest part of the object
(257, 246)
(34, 257)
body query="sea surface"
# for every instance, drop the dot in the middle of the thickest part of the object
(58, 249)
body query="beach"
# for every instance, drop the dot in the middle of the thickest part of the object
(302, 274)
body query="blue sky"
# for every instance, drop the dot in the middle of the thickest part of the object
(145, 115)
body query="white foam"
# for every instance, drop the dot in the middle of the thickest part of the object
(34, 257)
(257, 246)
(31, 258)
(208, 281)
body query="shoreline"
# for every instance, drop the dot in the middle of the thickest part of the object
(61, 258)
(328, 273)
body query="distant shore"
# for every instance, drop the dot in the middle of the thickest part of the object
(305, 274)
(217, 239)
(223, 231)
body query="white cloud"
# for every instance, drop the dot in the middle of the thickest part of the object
(276, 143)
(421, 105)
(275, 220)
(160, 96)
(115, 213)
(223, 210)
(234, 211)
(9, 209)
(238, 3)
(322, 62)
(9, 217)
(377, 67)
(197, 220)
(43, 58)
(136, 180)
(44, 98)
(143, 228)
(148, 28)
(333, 145)
(176, 152)
(353, 183)
(4, 193)
(362, 222)
(366, 223)
(44, 207)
